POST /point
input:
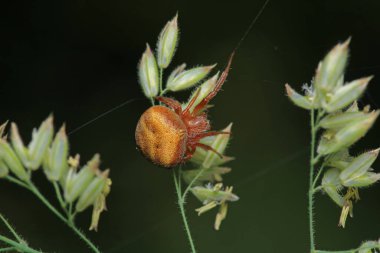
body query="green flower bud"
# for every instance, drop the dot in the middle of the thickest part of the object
(148, 73)
(331, 185)
(209, 194)
(367, 179)
(367, 247)
(358, 167)
(346, 94)
(299, 100)
(219, 144)
(76, 184)
(347, 135)
(188, 78)
(18, 145)
(58, 156)
(167, 43)
(332, 67)
(334, 121)
(4, 171)
(40, 143)
(92, 192)
(204, 89)
(9, 157)
(176, 72)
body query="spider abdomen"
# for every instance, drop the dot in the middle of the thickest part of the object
(161, 136)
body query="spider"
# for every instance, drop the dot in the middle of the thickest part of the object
(168, 135)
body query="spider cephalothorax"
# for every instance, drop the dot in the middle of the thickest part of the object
(169, 135)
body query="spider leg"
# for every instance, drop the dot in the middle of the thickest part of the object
(211, 133)
(174, 104)
(189, 153)
(192, 101)
(208, 148)
(218, 85)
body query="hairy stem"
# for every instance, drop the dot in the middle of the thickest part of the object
(68, 221)
(8, 249)
(11, 229)
(181, 204)
(17, 245)
(311, 181)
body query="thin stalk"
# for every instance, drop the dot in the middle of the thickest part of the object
(59, 196)
(192, 182)
(8, 249)
(19, 246)
(161, 73)
(183, 214)
(311, 181)
(11, 229)
(67, 221)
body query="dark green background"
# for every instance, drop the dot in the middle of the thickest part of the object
(78, 59)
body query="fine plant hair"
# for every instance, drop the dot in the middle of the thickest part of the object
(203, 176)
(337, 123)
(76, 188)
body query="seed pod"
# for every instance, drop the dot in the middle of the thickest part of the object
(347, 94)
(92, 192)
(358, 167)
(41, 140)
(203, 90)
(58, 156)
(331, 185)
(298, 99)
(188, 78)
(148, 73)
(219, 144)
(9, 157)
(332, 67)
(167, 43)
(76, 184)
(176, 72)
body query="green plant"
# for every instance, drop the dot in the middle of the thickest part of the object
(335, 113)
(76, 189)
(204, 178)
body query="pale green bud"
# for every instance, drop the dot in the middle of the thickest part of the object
(188, 78)
(367, 247)
(219, 144)
(331, 185)
(203, 90)
(358, 167)
(353, 107)
(77, 183)
(299, 100)
(347, 135)
(148, 73)
(340, 120)
(92, 192)
(40, 143)
(332, 67)
(58, 156)
(4, 171)
(167, 43)
(346, 94)
(209, 194)
(339, 160)
(2, 128)
(176, 72)
(364, 180)
(10, 158)
(18, 145)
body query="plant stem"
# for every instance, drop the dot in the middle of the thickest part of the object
(68, 221)
(181, 203)
(11, 229)
(311, 181)
(19, 246)
(59, 196)
(8, 249)
(161, 73)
